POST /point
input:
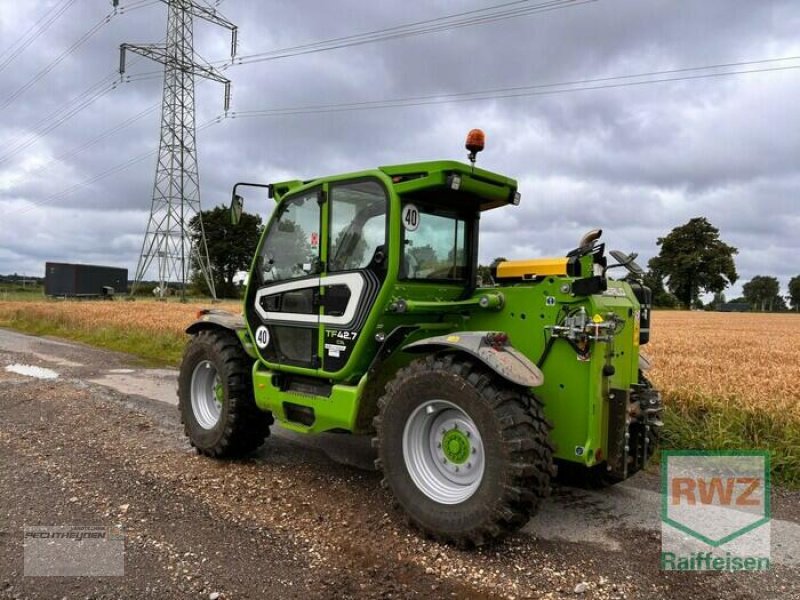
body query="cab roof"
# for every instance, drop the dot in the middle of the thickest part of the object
(492, 190)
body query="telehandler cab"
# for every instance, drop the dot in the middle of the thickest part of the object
(364, 313)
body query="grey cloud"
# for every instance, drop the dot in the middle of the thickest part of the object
(636, 161)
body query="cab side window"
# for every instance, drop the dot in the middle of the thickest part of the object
(435, 246)
(357, 225)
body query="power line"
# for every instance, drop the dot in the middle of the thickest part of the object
(33, 33)
(104, 174)
(619, 81)
(74, 47)
(65, 112)
(395, 32)
(136, 6)
(58, 60)
(95, 140)
(389, 33)
(61, 115)
(88, 144)
(434, 25)
(671, 75)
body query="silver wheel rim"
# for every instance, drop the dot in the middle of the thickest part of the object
(206, 391)
(434, 451)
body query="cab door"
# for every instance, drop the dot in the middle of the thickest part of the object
(355, 266)
(282, 303)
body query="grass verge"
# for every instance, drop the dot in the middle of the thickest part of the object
(705, 423)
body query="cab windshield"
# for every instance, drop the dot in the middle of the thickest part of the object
(291, 246)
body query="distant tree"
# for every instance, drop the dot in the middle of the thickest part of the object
(661, 297)
(485, 271)
(425, 256)
(762, 292)
(716, 302)
(794, 292)
(484, 275)
(230, 247)
(145, 288)
(461, 254)
(347, 250)
(693, 259)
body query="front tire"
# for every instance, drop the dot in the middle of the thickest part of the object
(215, 397)
(465, 453)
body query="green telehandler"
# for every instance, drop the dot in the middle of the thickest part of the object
(364, 313)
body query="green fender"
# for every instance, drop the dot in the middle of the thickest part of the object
(212, 318)
(491, 348)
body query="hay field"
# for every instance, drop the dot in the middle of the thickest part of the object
(150, 329)
(146, 315)
(748, 359)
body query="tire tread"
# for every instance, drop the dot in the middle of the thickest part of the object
(246, 426)
(525, 436)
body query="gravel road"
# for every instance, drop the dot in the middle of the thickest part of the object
(101, 444)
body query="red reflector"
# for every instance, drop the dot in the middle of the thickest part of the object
(496, 340)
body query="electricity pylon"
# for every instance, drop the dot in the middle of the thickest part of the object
(176, 192)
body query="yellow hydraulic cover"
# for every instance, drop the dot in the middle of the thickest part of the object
(526, 269)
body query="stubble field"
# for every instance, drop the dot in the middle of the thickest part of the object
(729, 380)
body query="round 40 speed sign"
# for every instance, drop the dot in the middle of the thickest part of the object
(410, 217)
(262, 337)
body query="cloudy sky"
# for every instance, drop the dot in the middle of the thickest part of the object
(635, 160)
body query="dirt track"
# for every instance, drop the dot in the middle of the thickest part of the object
(289, 522)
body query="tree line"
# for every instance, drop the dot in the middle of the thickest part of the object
(693, 260)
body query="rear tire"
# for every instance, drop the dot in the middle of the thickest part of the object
(465, 453)
(215, 397)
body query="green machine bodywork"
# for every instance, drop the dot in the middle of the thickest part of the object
(563, 326)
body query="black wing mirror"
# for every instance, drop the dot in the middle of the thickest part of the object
(237, 204)
(628, 261)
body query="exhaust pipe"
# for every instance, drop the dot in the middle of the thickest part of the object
(590, 238)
